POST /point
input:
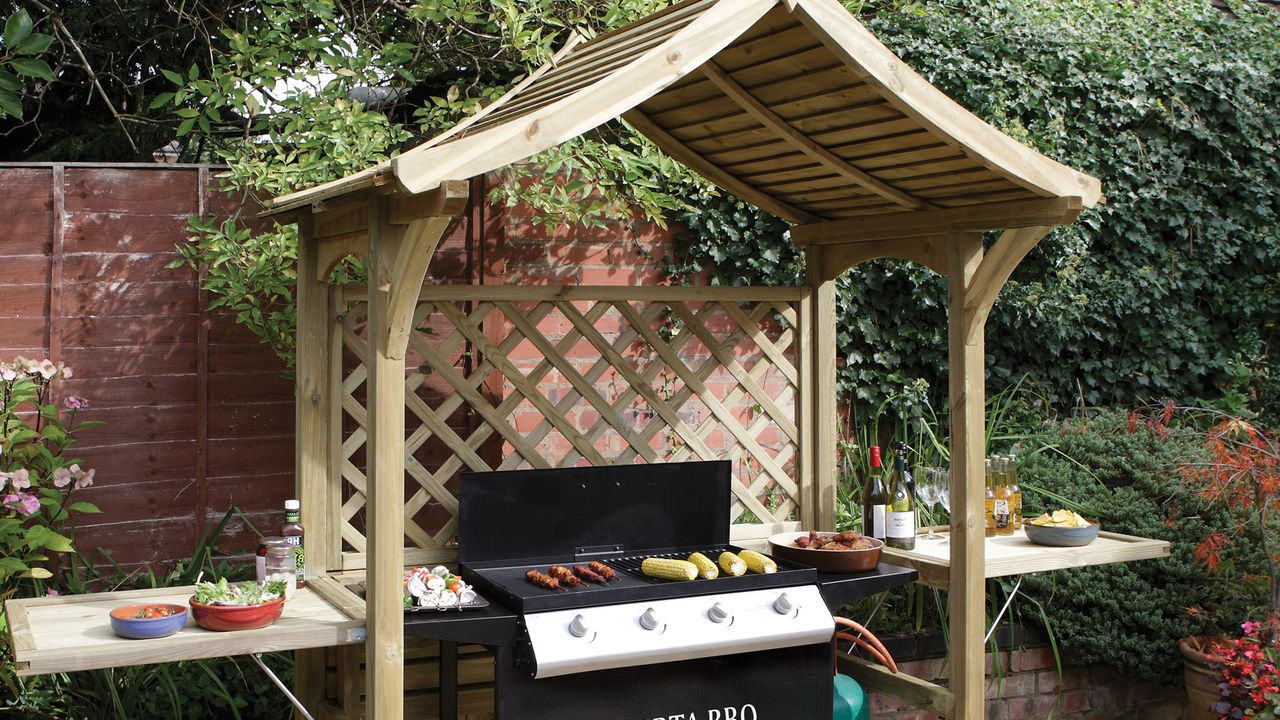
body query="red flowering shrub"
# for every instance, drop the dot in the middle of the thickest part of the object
(1250, 686)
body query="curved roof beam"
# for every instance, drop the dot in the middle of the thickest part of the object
(421, 169)
(944, 117)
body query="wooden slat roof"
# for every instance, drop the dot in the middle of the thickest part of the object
(791, 105)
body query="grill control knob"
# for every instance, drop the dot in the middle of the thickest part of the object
(578, 626)
(783, 605)
(649, 620)
(718, 613)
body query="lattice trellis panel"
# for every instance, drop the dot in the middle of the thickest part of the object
(506, 377)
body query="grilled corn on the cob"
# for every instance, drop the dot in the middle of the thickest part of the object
(669, 569)
(758, 563)
(707, 570)
(732, 564)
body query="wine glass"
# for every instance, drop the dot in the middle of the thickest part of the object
(944, 492)
(927, 490)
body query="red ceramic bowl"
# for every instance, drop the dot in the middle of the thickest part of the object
(225, 618)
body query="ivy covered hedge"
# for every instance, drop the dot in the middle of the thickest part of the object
(1169, 289)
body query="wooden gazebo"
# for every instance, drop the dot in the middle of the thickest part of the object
(791, 105)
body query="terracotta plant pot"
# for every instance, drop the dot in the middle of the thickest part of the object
(1200, 679)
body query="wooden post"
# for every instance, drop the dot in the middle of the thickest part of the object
(385, 504)
(968, 416)
(311, 447)
(822, 390)
(805, 416)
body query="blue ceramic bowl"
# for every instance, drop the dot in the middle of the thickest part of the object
(1062, 536)
(127, 624)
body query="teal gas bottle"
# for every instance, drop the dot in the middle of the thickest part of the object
(850, 700)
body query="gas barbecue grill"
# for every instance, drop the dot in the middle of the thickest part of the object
(733, 648)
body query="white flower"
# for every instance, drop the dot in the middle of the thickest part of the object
(20, 479)
(84, 479)
(61, 477)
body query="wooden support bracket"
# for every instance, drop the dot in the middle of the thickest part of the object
(930, 251)
(997, 265)
(412, 259)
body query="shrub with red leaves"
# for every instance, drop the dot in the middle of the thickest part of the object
(1250, 686)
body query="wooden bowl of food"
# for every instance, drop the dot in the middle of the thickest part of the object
(847, 552)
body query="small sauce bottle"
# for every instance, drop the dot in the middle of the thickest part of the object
(264, 546)
(293, 532)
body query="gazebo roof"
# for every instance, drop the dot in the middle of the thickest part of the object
(791, 105)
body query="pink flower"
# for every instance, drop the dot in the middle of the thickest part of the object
(1250, 627)
(61, 477)
(19, 479)
(25, 504)
(8, 372)
(51, 593)
(75, 403)
(66, 372)
(83, 478)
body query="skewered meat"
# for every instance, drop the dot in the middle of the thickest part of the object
(588, 574)
(602, 570)
(542, 580)
(564, 575)
(847, 540)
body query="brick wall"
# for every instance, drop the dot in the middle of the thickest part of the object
(1029, 688)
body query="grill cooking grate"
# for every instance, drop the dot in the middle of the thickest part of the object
(631, 563)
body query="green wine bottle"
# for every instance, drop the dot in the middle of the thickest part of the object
(875, 498)
(900, 516)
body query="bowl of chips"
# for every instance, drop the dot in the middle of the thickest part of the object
(1062, 528)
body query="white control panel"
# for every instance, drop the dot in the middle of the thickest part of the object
(611, 636)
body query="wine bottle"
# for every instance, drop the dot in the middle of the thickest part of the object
(900, 516)
(874, 499)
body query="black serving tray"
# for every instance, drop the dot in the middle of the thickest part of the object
(479, 603)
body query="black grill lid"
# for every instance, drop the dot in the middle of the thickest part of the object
(555, 514)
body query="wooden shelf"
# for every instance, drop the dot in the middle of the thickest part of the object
(73, 632)
(1016, 555)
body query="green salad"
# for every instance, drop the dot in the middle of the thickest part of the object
(244, 593)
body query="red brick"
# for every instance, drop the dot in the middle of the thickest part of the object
(1032, 659)
(1047, 681)
(1075, 701)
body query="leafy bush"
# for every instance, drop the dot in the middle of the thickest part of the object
(1131, 615)
(1172, 289)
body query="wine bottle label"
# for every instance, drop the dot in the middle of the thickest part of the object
(901, 524)
(876, 527)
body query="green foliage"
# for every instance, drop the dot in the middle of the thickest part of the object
(1170, 289)
(1131, 615)
(733, 242)
(19, 59)
(299, 92)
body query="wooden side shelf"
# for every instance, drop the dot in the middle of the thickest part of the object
(63, 634)
(1016, 555)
